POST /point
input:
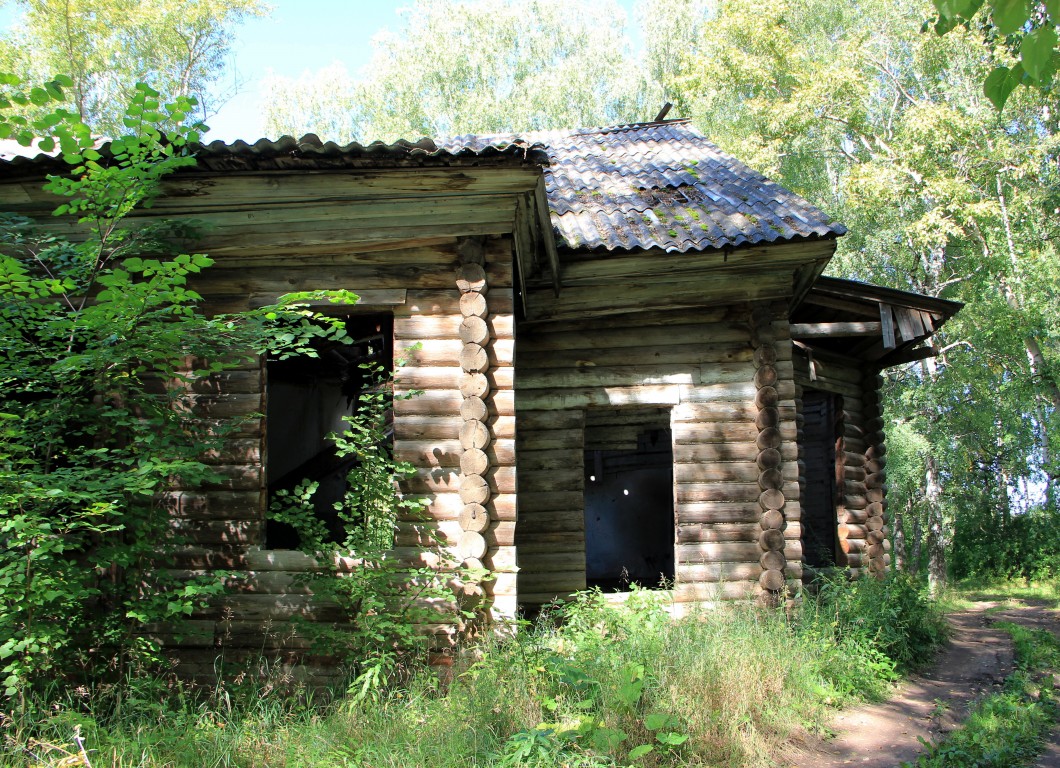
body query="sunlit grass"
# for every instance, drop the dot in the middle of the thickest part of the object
(735, 683)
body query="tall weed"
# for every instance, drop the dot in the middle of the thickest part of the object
(592, 683)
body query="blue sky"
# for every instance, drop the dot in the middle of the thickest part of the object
(303, 35)
(298, 35)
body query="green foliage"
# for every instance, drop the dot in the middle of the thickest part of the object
(382, 601)
(593, 683)
(1028, 30)
(100, 340)
(888, 622)
(105, 46)
(482, 67)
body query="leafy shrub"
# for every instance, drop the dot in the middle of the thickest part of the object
(891, 615)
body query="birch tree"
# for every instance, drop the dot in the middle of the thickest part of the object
(105, 46)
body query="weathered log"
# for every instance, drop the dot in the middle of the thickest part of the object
(765, 355)
(473, 330)
(771, 479)
(473, 304)
(771, 499)
(771, 539)
(770, 458)
(767, 418)
(471, 544)
(474, 434)
(474, 462)
(474, 489)
(474, 517)
(772, 580)
(772, 519)
(473, 358)
(769, 438)
(471, 278)
(473, 408)
(767, 397)
(773, 560)
(766, 376)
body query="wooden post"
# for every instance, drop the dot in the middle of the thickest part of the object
(877, 536)
(475, 436)
(770, 479)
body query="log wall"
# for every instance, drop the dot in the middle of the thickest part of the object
(860, 509)
(434, 329)
(725, 375)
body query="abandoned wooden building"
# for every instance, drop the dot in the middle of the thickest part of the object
(632, 368)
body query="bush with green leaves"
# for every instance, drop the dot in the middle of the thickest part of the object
(96, 334)
(384, 603)
(886, 625)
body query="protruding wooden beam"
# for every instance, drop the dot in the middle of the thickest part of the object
(887, 322)
(547, 236)
(910, 355)
(824, 330)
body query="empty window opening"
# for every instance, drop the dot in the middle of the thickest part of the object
(629, 499)
(821, 432)
(308, 398)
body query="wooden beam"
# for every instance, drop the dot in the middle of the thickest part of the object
(907, 324)
(547, 236)
(824, 330)
(910, 355)
(887, 323)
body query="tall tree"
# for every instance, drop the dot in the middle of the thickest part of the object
(105, 45)
(488, 66)
(889, 129)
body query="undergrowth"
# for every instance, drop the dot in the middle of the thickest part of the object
(590, 684)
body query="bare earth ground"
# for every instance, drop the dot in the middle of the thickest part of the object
(974, 663)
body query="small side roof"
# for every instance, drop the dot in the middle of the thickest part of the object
(884, 326)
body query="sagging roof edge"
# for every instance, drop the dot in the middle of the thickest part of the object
(855, 289)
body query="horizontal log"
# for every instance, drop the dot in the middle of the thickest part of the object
(435, 328)
(834, 330)
(234, 505)
(676, 352)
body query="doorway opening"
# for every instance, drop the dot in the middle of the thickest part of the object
(307, 399)
(821, 435)
(629, 499)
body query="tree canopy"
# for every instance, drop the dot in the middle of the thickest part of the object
(484, 67)
(105, 46)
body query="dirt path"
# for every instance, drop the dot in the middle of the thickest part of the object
(973, 664)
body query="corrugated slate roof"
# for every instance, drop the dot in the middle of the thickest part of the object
(308, 153)
(659, 185)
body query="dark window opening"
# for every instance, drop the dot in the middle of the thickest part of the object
(308, 397)
(629, 501)
(822, 413)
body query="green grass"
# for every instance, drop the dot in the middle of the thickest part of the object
(596, 684)
(1007, 729)
(1002, 591)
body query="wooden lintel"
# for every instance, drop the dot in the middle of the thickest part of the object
(824, 330)
(385, 297)
(547, 236)
(887, 323)
(910, 355)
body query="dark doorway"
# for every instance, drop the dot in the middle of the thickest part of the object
(629, 502)
(822, 412)
(307, 400)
